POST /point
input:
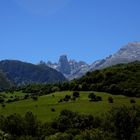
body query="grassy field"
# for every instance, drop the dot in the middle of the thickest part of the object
(42, 107)
(8, 96)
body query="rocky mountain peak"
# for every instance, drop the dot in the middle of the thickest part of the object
(63, 65)
(69, 68)
(126, 54)
(73, 69)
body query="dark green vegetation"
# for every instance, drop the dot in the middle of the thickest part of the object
(120, 79)
(4, 82)
(24, 73)
(121, 123)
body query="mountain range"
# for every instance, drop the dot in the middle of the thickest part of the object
(16, 73)
(69, 67)
(72, 69)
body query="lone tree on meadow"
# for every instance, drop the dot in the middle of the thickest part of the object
(110, 100)
(92, 96)
(76, 94)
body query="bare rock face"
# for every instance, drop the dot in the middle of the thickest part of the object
(63, 65)
(128, 53)
(70, 68)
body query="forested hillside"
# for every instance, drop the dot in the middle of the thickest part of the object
(4, 82)
(119, 79)
(21, 73)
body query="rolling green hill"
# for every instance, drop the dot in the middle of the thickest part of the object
(44, 105)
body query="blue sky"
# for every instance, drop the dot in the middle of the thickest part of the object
(34, 30)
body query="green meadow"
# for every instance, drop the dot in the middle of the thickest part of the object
(42, 108)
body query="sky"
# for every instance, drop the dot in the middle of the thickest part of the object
(88, 30)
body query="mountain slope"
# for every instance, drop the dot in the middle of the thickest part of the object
(72, 69)
(128, 53)
(20, 72)
(4, 82)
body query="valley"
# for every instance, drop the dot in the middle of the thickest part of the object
(42, 107)
(69, 70)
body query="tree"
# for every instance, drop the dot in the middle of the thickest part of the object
(92, 96)
(26, 96)
(34, 97)
(110, 100)
(98, 98)
(132, 101)
(53, 109)
(67, 98)
(76, 94)
(125, 121)
(60, 136)
(95, 134)
(14, 124)
(1, 99)
(31, 123)
(4, 136)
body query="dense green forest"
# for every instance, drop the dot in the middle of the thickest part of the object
(120, 79)
(118, 124)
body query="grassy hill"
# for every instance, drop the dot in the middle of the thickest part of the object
(120, 79)
(44, 105)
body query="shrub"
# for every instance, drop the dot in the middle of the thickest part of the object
(67, 98)
(9, 101)
(26, 96)
(53, 109)
(98, 98)
(60, 136)
(73, 98)
(3, 105)
(55, 88)
(35, 98)
(76, 94)
(92, 96)
(132, 101)
(110, 100)
(60, 101)
(1, 99)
